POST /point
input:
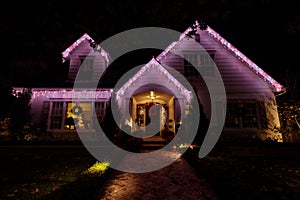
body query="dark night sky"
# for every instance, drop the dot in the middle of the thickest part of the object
(34, 33)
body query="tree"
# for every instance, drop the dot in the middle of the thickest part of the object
(20, 114)
(6, 100)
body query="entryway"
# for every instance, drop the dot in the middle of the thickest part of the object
(152, 112)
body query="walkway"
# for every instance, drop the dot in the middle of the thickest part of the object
(176, 181)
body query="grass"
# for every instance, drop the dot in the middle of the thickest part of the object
(50, 173)
(72, 173)
(250, 177)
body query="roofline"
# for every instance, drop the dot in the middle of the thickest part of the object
(164, 71)
(212, 33)
(278, 87)
(66, 52)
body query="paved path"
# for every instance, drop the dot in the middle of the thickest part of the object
(176, 181)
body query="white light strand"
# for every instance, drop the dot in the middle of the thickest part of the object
(66, 53)
(68, 93)
(245, 59)
(85, 36)
(153, 63)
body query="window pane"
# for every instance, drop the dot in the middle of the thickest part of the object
(241, 115)
(250, 115)
(56, 115)
(202, 61)
(78, 115)
(232, 118)
(86, 68)
(100, 109)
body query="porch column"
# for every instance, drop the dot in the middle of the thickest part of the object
(125, 113)
(182, 112)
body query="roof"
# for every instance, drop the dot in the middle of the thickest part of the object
(84, 37)
(261, 73)
(154, 64)
(65, 53)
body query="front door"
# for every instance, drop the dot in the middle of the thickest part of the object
(152, 115)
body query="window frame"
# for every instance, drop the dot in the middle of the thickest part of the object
(238, 112)
(203, 59)
(61, 111)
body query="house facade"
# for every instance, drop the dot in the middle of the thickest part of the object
(251, 109)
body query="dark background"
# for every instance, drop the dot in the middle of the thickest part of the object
(34, 33)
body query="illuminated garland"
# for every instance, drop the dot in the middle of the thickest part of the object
(66, 53)
(154, 64)
(278, 87)
(244, 59)
(53, 93)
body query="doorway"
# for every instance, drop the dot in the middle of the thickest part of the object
(152, 112)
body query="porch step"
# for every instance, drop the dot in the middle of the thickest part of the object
(152, 143)
(154, 139)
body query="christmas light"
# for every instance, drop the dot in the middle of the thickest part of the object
(154, 64)
(278, 87)
(55, 93)
(66, 53)
(243, 58)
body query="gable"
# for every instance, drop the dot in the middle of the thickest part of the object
(71, 48)
(239, 73)
(92, 57)
(153, 72)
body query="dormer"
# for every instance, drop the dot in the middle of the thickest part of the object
(86, 55)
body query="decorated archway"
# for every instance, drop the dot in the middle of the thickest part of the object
(152, 85)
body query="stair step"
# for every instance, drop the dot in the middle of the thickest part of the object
(153, 140)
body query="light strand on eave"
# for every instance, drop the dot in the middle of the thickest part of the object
(278, 87)
(85, 36)
(66, 52)
(60, 93)
(154, 63)
(173, 45)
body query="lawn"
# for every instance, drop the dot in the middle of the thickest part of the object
(49, 173)
(250, 176)
(72, 173)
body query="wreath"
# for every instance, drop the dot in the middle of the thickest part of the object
(76, 110)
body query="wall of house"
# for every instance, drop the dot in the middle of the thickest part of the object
(84, 49)
(240, 82)
(43, 112)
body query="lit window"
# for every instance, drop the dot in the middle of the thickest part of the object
(78, 115)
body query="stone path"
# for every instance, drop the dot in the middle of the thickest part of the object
(176, 181)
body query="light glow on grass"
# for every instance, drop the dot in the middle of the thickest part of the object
(97, 168)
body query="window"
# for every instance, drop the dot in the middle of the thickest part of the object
(78, 115)
(73, 115)
(190, 62)
(86, 67)
(100, 109)
(203, 60)
(45, 113)
(56, 115)
(241, 115)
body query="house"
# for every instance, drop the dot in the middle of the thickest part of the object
(251, 109)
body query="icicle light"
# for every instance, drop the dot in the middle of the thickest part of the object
(244, 59)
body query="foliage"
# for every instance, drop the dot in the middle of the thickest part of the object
(15, 113)
(6, 100)
(20, 114)
(97, 169)
(249, 176)
(289, 115)
(49, 173)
